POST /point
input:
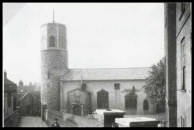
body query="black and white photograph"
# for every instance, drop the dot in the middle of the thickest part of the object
(97, 64)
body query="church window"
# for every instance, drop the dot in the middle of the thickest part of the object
(52, 41)
(145, 105)
(102, 99)
(131, 101)
(117, 86)
(83, 87)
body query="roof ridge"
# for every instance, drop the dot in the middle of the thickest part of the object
(106, 68)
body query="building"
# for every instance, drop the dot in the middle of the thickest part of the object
(82, 91)
(21, 88)
(28, 99)
(29, 103)
(10, 95)
(25, 102)
(178, 51)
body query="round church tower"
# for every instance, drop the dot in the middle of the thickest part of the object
(54, 63)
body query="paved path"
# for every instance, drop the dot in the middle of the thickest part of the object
(27, 121)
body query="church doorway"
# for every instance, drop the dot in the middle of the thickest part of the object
(77, 110)
(102, 99)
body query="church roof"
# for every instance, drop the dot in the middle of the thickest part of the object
(107, 74)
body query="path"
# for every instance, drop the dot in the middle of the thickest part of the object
(27, 121)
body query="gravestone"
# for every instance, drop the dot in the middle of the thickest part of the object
(107, 116)
(137, 122)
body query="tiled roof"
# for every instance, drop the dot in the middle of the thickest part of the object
(26, 89)
(9, 86)
(7, 81)
(107, 74)
(20, 96)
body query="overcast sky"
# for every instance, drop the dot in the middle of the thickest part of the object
(99, 35)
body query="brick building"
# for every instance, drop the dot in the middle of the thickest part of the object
(28, 98)
(21, 88)
(9, 106)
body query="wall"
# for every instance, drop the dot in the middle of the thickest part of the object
(116, 98)
(184, 97)
(69, 120)
(170, 55)
(9, 110)
(13, 119)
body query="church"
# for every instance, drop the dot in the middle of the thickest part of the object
(82, 91)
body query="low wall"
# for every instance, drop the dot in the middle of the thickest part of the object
(12, 120)
(69, 120)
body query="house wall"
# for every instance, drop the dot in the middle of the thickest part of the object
(184, 96)
(116, 97)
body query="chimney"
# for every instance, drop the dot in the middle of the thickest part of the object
(5, 75)
(21, 83)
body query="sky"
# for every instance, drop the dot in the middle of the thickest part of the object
(99, 35)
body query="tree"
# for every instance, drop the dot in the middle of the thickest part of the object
(155, 83)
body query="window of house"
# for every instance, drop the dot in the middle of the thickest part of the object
(52, 41)
(183, 86)
(145, 105)
(48, 75)
(83, 87)
(183, 63)
(14, 102)
(131, 101)
(102, 99)
(183, 121)
(9, 99)
(182, 10)
(117, 86)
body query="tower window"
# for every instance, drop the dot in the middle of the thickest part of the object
(52, 41)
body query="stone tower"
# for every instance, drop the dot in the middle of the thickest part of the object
(54, 63)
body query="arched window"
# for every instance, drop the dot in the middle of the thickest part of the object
(131, 101)
(145, 105)
(52, 41)
(102, 99)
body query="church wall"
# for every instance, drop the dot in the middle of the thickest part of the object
(116, 97)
